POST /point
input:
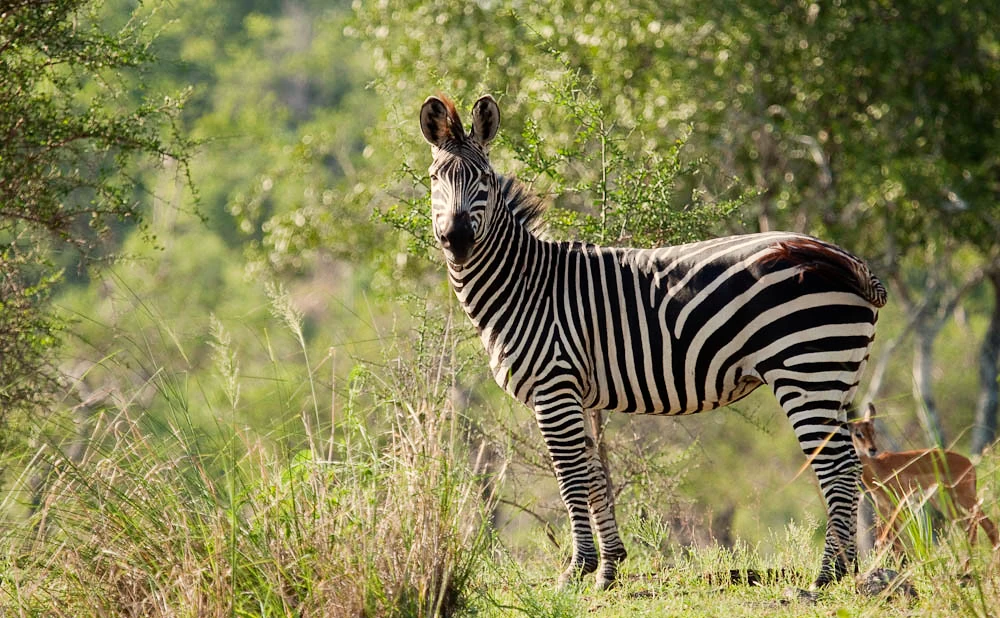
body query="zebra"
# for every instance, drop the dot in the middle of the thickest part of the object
(571, 327)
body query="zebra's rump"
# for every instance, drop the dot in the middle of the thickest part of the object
(832, 262)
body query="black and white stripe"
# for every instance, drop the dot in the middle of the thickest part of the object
(570, 327)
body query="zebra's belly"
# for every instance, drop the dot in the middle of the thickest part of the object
(635, 390)
(671, 397)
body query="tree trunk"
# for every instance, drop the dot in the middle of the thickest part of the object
(487, 465)
(923, 385)
(985, 430)
(878, 371)
(84, 414)
(296, 87)
(940, 299)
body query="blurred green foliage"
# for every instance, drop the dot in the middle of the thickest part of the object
(79, 129)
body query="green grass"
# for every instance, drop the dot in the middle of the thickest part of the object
(697, 583)
(152, 528)
(158, 527)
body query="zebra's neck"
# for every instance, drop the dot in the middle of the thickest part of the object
(503, 270)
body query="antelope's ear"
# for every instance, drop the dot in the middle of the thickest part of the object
(436, 122)
(870, 412)
(485, 121)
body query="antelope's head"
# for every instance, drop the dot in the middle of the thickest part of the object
(464, 187)
(863, 434)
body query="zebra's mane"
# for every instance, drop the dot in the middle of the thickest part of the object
(526, 206)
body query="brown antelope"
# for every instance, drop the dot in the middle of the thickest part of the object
(892, 477)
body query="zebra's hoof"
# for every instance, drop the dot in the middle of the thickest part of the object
(830, 573)
(798, 594)
(607, 572)
(567, 579)
(573, 575)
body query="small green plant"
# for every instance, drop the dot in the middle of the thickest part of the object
(609, 194)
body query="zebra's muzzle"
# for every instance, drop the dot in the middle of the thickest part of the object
(457, 237)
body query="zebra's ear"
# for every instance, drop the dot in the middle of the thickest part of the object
(485, 121)
(437, 122)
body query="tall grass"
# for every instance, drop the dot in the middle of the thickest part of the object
(156, 518)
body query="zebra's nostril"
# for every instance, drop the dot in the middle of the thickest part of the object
(457, 236)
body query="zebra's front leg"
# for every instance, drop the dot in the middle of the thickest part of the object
(560, 419)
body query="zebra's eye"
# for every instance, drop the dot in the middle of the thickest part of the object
(434, 177)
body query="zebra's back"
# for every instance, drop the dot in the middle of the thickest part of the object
(693, 327)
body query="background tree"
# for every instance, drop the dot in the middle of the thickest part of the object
(77, 129)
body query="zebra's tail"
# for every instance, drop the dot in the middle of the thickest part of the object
(833, 263)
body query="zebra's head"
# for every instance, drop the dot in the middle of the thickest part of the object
(464, 187)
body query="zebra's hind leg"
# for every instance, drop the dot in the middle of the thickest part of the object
(612, 549)
(839, 476)
(820, 423)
